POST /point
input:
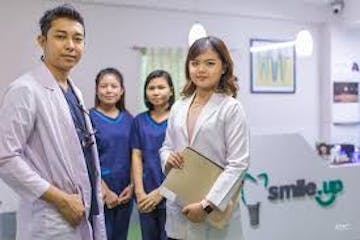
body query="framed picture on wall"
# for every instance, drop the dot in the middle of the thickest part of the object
(346, 92)
(272, 66)
(345, 107)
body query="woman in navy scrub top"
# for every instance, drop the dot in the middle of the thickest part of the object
(113, 125)
(148, 134)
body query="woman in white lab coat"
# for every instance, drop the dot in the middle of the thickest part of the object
(211, 121)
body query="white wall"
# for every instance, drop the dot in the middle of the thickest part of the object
(18, 48)
(325, 95)
(345, 50)
(112, 30)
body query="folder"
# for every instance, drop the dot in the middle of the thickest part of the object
(192, 183)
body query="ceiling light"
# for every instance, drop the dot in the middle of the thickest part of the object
(304, 43)
(197, 31)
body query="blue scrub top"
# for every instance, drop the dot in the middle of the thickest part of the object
(148, 136)
(113, 141)
(77, 114)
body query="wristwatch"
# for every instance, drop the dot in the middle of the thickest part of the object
(206, 206)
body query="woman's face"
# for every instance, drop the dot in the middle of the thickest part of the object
(158, 92)
(205, 70)
(109, 90)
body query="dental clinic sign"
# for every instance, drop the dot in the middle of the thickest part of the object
(324, 193)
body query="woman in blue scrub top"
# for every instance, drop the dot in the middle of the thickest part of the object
(148, 134)
(113, 126)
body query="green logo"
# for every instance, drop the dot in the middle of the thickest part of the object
(330, 190)
(301, 188)
(260, 178)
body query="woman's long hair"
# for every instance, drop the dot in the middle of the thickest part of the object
(227, 83)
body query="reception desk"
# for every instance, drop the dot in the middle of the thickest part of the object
(297, 195)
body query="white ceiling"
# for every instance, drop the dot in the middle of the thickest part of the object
(316, 2)
(145, 2)
(301, 11)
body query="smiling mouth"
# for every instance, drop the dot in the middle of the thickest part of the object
(69, 57)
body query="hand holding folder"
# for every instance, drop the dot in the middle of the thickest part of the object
(192, 183)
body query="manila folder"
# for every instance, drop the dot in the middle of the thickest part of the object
(191, 183)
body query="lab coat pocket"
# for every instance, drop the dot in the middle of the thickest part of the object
(48, 223)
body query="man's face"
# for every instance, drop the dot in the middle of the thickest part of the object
(63, 45)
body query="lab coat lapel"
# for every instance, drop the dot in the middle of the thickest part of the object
(61, 109)
(208, 110)
(48, 81)
(183, 117)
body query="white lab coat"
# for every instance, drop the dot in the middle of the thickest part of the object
(221, 134)
(39, 146)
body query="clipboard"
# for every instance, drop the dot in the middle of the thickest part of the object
(192, 183)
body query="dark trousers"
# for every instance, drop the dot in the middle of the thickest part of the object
(153, 224)
(117, 221)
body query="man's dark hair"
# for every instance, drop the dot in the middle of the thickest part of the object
(63, 11)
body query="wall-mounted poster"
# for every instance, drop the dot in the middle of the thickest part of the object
(345, 107)
(346, 92)
(272, 66)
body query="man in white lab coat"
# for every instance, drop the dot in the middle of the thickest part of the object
(47, 148)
